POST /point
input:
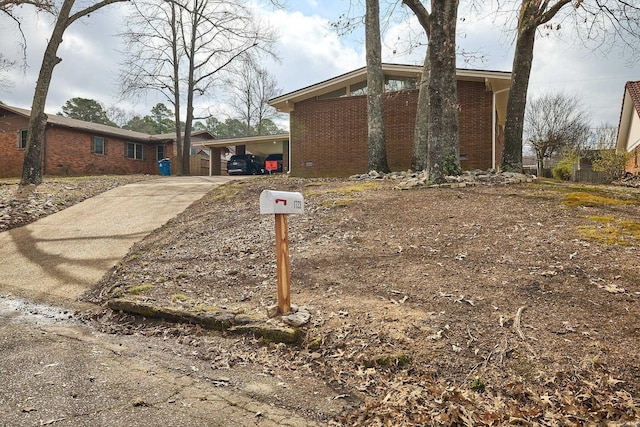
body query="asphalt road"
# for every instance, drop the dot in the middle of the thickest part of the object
(56, 371)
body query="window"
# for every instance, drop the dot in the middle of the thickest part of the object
(134, 151)
(160, 152)
(395, 84)
(358, 89)
(338, 93)
(99, 145)
(22, 139)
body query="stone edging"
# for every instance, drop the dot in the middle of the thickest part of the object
(218, 320)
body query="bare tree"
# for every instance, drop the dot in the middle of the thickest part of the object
(32, 167)
(553, 123)
(377, 158)
(251, 88)
(600, 20)
(181, 49)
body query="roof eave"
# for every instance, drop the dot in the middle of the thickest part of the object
(285, 103)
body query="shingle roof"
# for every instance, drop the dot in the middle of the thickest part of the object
(634, 94)
(88, 126)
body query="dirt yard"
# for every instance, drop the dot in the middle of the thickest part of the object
(483, 305)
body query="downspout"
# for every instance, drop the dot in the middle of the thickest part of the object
(211, 162)
(44, 152)
(289, 156)
(493, 128)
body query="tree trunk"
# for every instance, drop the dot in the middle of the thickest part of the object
(443, 142)
(377, 159)
(517, 103)
(32, 166)
(420, 132)
(176, 88)
(540, 164)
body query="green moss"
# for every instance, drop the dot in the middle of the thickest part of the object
(354, 188)
(477, 385)
(178, 297)
(315, 344)
(226, 192)
(116, 293)
(592, 200)
(613, 232)
(339, 203)
(139, 289)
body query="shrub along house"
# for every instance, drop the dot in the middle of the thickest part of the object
(76, 147)
(629, 126)
(328, 121)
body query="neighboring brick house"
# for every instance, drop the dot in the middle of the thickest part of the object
(76, 147)
(328, 120)
(629, 126)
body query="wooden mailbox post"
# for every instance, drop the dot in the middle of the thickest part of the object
(282, 204)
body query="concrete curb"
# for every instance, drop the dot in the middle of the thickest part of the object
(219, 320)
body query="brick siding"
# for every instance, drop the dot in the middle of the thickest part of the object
(11, 157)
(69, 152)
(329, 136)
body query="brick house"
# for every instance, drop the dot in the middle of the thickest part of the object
(76, 147)
(629, 126)
(328, 121)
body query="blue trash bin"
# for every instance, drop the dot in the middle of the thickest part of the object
(164, 166)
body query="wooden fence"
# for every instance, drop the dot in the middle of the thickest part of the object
(199, 166)
(586, 174)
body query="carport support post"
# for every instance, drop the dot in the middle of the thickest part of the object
(282, 263)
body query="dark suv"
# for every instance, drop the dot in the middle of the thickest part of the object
(269, 162)
(245, 164)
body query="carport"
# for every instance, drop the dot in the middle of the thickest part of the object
(262, 145)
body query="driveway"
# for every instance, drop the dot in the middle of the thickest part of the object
(55, 370)
(57, 258)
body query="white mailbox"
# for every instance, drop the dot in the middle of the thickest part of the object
(281, 202)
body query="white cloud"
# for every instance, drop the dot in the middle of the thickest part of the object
(311, 52)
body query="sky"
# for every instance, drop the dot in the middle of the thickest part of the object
(311, 51)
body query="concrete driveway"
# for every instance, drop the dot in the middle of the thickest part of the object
(57, 258)
(57, 370)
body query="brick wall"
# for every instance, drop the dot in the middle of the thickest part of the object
(11, 158)
(329, 137)
(68, 152)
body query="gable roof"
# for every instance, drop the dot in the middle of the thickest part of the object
(496, 80)
(630, 105)
(100, 129)
(634, 93)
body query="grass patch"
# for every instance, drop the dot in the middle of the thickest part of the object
(577, 199)
(226, 192)
(610, 231)
(339, 203)
(139, 289)
(354, 188)
(178, 297)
